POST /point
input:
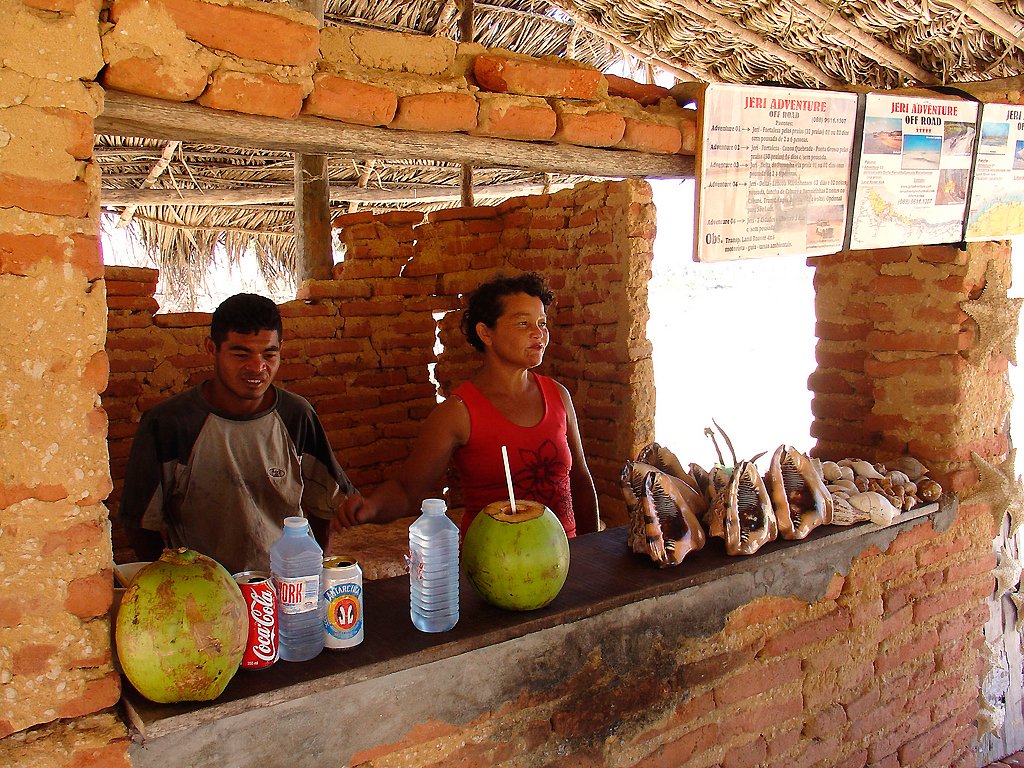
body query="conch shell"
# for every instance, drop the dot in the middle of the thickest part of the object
(913, 468)
(878, 508)
(742, 512)
(662, 459)
(662, 524)
(862, 468)
(799, 497)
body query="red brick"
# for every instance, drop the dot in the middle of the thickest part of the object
(32, 659)
(762, 718)
(910, 341)
(745, 755)
(508, 118)
(253, 93)
(90, 596)
(98, 694)
(907, 651)
(841, 331)
(61, 198)
(443, 112)
(79, 134)
(932, 605)
(532, 77)
(984, 564)
(155, 76)
(905, 730)
(912, 537)
(807, 633)
(823, 722)
(113, 755)
(935, 551)
(649, 136)
(245, 32)
(858, 708)
(350, 101)
(757, 679)
(826, 381)
(594, 129)
(644, 93)
(679, 751)
(895, 285)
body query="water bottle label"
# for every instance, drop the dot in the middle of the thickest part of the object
(299, 595)
(415, 565)
(344, 619)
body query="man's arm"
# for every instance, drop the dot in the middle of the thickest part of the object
(584, 494)
(442, 433)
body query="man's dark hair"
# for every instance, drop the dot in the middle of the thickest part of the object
(487, 303)
(244, 313)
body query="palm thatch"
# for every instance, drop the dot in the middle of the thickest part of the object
(880, 44)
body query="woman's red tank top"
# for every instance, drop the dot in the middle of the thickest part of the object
(538, 456)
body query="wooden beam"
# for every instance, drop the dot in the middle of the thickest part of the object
(154, 174)
(314, 259)
(991, 17)
(115, 198)
(128, 115)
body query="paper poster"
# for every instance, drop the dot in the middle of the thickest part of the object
(997, 196)
(773, 172)
(914, 171)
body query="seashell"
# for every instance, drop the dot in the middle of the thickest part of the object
(703, 480)
(816, 466)
(831, 471)
(666, 513)
(913, 468)
(799, 498)
(928, 489)
(862, 483)
(686, 487)
(662, 459)
(865, 469)
(910, 487)
(843, 513)
(847, 473)
(879, 509)
(661, 524)
(742, 514)
(910, 501)
(896, 477)
(844, 485)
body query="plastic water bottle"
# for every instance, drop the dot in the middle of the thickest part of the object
(297, 564)
(433, 569)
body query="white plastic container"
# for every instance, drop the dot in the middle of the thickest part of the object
(296, 563)
(433, 569)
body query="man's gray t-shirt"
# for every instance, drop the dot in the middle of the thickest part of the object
(221, 484)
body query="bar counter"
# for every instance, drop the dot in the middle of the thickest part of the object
(349, 701)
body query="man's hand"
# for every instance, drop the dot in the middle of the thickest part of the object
(353, 511)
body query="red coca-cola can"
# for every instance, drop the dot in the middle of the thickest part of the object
(262, 648)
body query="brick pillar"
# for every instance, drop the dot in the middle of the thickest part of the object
(55, 556)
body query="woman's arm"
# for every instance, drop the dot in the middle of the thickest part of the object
(584, 494)
(445, 430)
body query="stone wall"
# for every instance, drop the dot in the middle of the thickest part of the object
(56, 671)
(359, 346)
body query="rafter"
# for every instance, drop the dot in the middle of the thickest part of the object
(742, 33)
(863, 43)
(581, 19)
(115, 198)
(991, 17)
(161, 165)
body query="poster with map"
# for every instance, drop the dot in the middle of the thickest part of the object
(914, 171)
(997, 195)
(773, 171)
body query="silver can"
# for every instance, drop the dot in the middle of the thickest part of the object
(343, 602)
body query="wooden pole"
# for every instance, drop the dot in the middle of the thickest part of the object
(314, 256)
(466, 36)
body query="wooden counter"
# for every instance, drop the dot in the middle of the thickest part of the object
(603, 576)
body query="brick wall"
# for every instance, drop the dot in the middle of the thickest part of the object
(899, 368)
(359, 346)
(56, 672)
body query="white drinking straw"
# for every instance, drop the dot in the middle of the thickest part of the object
(508, 478)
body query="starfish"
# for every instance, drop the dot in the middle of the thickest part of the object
(996, 315)
(1018, 602)
(1007, 573)
(996, 488)
(1016, 507)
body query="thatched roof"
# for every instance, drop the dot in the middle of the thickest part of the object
(806, 43)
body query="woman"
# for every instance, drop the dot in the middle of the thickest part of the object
(505, 403)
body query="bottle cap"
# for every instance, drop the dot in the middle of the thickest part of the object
(433, 505)
(295, 522)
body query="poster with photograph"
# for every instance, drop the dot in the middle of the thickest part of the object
(773, 172)
(914, 171)
(997, 195)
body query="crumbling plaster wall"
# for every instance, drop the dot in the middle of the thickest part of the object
(56, 672)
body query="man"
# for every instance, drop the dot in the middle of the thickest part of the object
(218, 467)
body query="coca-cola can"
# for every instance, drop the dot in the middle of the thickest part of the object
(343, 599)
(262, 647)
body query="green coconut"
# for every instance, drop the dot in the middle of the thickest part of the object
(516, 560)
(181, 628)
